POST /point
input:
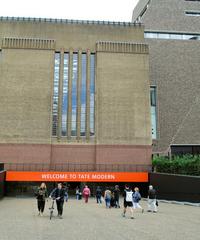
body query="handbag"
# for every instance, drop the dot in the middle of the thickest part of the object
(157, 203)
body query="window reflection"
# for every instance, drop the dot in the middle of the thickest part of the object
(92, 92)
(83, 93)
(74, 93)
(173, 36)
(153, 111)
(65, 94)
(55, 94)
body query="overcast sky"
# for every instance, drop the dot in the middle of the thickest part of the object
(112, 10)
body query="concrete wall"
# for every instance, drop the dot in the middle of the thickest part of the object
(176, 187)
(174, 70)
(168, 15)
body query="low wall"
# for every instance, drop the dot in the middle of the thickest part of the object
(2, 183)
(176, 187)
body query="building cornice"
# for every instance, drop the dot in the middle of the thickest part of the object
(28, 43)
(122, 47)
(68, 21)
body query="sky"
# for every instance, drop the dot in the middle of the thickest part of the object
(108, 10)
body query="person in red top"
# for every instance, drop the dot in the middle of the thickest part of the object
(86, 193)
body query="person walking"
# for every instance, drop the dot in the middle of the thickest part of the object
(66, 192)
(86, 193)
(77, 193)
(59, 194)
(98, 194)
(151, 200)
(136, 199)
(128, 201)
(107, 197)
(116, 196)
(41, 196)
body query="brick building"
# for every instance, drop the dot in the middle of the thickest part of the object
(74, 96)
(172, 33)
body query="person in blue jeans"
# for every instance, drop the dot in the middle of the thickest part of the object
(136, 199)
(107, 197)
(98, 194)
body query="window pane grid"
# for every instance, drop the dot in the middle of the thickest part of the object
(55, 94)
(172, 36)
(74, 93)
(65, 94)
(92, 92)
(153, 112)
(83, 93)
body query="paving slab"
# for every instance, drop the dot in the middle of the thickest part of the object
(19, 220)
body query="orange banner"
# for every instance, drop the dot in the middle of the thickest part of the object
(77, 176)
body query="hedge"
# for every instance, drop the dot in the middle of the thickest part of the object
(186, 164)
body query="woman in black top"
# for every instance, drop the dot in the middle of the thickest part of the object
(41, 196)
(59, 194)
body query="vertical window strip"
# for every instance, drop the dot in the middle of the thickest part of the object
(92, 92)
(83, 93)
(74, 93)
(55, 93)
(65, 94)
(153, 112)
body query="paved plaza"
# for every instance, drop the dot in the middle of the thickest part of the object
(19, 221)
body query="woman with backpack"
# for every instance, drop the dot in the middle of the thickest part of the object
(136, 199)
(41, 195)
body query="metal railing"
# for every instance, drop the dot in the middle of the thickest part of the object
(76, 167)
(69, 21)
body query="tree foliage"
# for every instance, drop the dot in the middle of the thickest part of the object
(186, 164)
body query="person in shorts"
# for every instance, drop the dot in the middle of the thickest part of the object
(128, 201)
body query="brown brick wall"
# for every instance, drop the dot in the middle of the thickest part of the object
(75, 154)
(123, 154)
(25, 153)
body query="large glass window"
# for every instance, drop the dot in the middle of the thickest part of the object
(71, 115)
(83, 93)
(65, 94)
(55, 93)
(92, 92)
(192, 13)
(74, 93)
(153, 112)
(174, 36)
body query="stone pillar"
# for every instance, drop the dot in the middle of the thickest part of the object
(69, 113)
(60, 95)
(88, 98)
(78, 120)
